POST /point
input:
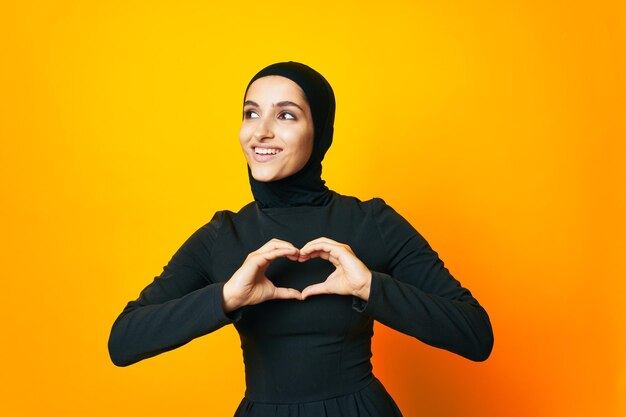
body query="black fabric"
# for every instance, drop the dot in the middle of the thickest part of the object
(306, 358)
(306, 186)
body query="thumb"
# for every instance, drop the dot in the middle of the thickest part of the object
(284, 293)
(315, 289)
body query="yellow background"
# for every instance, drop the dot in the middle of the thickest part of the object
(496, 128)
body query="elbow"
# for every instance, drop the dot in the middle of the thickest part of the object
(483, 349)
(119, 359)
(483, 345)
(117, 352)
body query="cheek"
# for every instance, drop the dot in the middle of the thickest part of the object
(308, 144)
(305, 148)
(244, 134)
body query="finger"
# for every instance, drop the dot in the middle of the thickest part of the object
(309, 247)
(275, 244)
(293, 252)
(319, 254)
(335, 251)
(318, 240)
(315, 289)
(323, 242)
(294, 257)
(264, 258)
(279, 252)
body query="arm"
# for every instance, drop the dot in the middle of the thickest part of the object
(179, 305)
(418, 296)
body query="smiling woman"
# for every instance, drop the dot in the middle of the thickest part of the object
(277, 130)
(302, 272)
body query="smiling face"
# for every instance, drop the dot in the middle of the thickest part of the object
(276, 134)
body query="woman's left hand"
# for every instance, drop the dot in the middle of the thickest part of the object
(351, 276)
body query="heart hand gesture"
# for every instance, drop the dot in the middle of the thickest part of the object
(249, 285)
(351, 276)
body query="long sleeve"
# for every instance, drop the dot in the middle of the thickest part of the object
(418, 296)
(180, 304)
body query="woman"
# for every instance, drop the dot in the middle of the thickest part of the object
(302, 272)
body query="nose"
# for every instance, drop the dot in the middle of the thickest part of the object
(263, 129)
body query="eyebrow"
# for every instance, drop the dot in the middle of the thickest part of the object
(284, 103)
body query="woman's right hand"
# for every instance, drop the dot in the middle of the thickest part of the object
(249, 285)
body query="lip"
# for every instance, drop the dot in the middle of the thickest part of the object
(265, 158)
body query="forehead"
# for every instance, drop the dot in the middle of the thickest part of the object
(275, 88)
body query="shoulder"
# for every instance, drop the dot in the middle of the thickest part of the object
(370, 206)
(221, 217)
(374, 211)
(380, 209)
(210, 230)
(387, 219)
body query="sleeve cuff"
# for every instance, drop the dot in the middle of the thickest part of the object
(218, 302)
(369, 307)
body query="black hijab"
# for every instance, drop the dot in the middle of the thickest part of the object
(306, 186)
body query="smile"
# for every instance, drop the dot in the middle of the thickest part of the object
(266, 154)
(265, 151)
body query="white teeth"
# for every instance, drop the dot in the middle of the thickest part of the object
(265, 151)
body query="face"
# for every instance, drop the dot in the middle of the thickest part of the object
(277, 130)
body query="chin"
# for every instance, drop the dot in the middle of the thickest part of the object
(264, 177)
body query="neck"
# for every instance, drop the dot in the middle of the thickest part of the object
(304, 188)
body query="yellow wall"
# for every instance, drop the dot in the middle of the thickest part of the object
(497, 128)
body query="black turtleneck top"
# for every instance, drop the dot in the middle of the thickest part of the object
(308, 357)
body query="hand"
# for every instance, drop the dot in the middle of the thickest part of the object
(249, 285)
(351, 276)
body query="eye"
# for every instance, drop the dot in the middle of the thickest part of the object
(287, 116)
(250, 114)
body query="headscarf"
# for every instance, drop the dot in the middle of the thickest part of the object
(306, 186)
